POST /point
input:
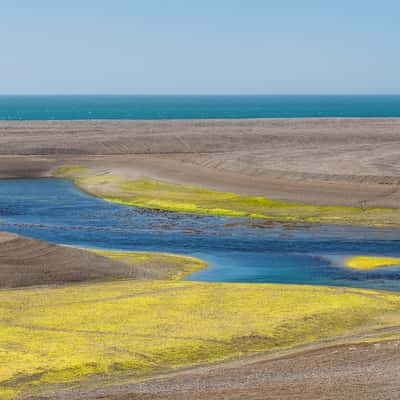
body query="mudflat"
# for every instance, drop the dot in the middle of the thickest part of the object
(316, 161)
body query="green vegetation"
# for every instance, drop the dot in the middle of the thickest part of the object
(106, 332)
(156, 265)
(127, 329)
(368, 262)
(165, 196)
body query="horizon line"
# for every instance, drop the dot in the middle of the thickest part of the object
(196, 94)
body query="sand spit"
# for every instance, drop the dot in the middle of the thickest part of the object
(317, 161)
(28, 262)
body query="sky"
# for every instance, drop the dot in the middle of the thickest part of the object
(199, 47)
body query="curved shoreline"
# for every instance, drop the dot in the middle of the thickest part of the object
(153, 194)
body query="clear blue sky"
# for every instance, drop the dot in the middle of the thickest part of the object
(199, 46)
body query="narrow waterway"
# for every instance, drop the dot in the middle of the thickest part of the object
(237, 250)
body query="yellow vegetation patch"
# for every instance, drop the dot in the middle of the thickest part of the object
(160, 265)
(70, 172)
(368, 262)
(130, 329)
(171, 197)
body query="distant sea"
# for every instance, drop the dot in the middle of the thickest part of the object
(195, 107)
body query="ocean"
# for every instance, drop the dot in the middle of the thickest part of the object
(85, 107)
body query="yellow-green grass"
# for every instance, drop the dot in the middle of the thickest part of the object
(108, 332)
(369, 262)
(171, 197)
(71, 171)
(158, 265)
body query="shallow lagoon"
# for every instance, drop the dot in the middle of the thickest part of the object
(237, 251)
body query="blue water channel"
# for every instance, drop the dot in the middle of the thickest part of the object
(237, 250)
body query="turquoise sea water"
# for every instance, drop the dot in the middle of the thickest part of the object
(56, 211)
(194, 107)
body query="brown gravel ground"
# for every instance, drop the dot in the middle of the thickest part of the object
(346, 372)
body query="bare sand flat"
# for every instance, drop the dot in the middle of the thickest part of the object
(316, 161)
